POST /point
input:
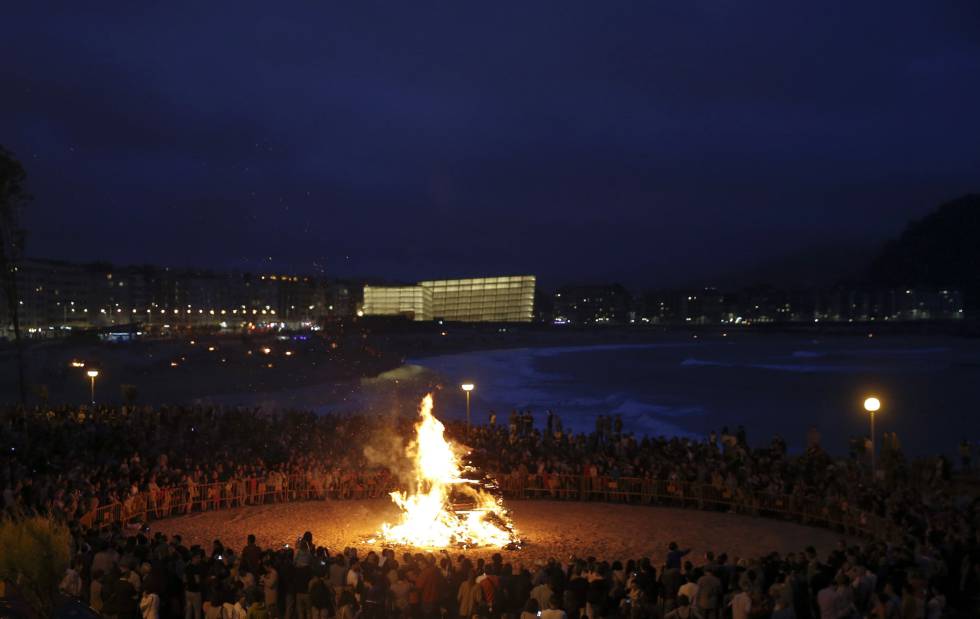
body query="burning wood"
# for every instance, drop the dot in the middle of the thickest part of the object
(444, 508)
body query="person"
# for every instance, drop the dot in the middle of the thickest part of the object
(212, 606)
(251, 557)
(257, 608)
(554, 610)
(354, 576)
(709, 594)
(269, 581)
(430, 587)
(95, 590)
(684, 609)
(913, 606)
(150, 605)
(469, 596)
(531, 609)
(832, 600)
(299, 588)
(597, 595)
(542, 593)
(119, 597)
(193, 581)
(689, 588)
(374, 597)
(674, 556)
(71, 583)
(741, 604)
(884, 608)
(338, 575)
(304, 551)
(238, 608)
(321, 597)
(349, 608)
(783, 610)
(936, 608)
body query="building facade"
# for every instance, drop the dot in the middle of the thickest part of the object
(482, 299)
(56, 297)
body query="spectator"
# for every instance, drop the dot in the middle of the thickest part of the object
(684, 609)
(149, 605)
(709, 592)
(469, 596)
(554, 609)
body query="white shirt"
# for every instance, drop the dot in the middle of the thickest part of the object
(150, 606)
(353, 578)
(690, 589)
(741, 605)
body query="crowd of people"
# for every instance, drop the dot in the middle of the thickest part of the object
(910, 497)
(154, 577)
(74, 463)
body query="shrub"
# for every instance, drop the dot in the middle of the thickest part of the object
(35, 556)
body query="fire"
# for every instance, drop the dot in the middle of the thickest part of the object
(431, 515)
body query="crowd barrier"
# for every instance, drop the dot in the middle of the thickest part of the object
(710, 497)
(155, 504)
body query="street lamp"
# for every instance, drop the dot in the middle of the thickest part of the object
(93, 374)
(467, 387)
(871, 405)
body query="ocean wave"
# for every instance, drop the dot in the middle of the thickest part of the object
(872, 352)
(705, 363)
(635, 408)
(777, 367)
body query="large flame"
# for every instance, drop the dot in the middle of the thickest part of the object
(429, 517)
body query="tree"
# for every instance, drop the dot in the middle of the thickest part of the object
(13, 198)
(36, 551)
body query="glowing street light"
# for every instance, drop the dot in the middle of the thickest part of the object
(93, 374)
(467, 387)
(872, 404)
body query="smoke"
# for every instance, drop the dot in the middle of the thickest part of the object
(388, 449)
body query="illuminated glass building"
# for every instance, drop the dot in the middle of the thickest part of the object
(414, 302)
(484, 299)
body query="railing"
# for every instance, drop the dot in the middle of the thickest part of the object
(195, 498)
(710, 497)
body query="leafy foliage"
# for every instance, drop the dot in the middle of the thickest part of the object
(35, 556)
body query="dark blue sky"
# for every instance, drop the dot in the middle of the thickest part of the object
(655, 143)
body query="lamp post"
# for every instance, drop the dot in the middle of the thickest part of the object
(92, 374)
(872, 404)
(467, 387)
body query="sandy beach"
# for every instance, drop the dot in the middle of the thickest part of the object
(551, 529)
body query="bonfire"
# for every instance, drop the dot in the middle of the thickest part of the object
(446, 508)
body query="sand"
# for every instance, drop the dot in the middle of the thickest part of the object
(551, 529)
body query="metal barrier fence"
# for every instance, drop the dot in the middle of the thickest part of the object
(194, 498)
(670, 493)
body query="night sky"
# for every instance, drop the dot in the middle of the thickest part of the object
(655, 144)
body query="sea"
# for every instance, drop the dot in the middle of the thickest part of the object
(770, 384)
(689, 386)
